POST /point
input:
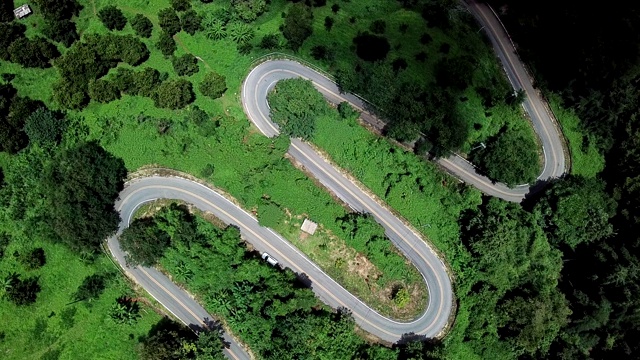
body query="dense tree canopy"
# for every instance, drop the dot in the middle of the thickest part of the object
(191, 21)
(213, 85)
(112, 18)
(185, 65)
(507, 157)
(249, 10)
(80, 187)
(45, 127)
(144, 242)
(169, 21)
(58, 9)
(297, 25)
(295, 104)
(166, 44)
(63, 31)
(173, 94)
(36, 52)
(142, 25)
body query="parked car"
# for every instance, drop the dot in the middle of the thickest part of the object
(269, 259)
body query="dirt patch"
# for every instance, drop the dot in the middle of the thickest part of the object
(364, 268)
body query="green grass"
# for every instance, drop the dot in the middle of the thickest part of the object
(586, 160)
(91, 334)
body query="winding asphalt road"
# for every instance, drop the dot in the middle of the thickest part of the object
(255, 88)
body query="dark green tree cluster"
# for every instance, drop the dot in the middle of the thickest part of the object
(507, 157)
(248, 10)
(14, 112)
(213, 85)
(58, 25)
(144, 242)
(62, 31)
(185, 65)
(295, 105)
(298, 25)
(169, 340)
(58, 9)
(21, 292)
(191, 22)
(37, 52)
(166, 44)
(173, 94)
(6, 10)
(112, 18)
(142, 25)
(90, 59)
(268, 308)
(169, 21)
(45, 127)
(10, 32)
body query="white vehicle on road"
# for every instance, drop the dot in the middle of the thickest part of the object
(269, 259)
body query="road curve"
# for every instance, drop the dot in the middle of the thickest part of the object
(431, 323)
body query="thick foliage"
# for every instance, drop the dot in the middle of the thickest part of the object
(169, 21)
(63, 31)
(112, 18)
(45, 127)
(297, 25)
(185, 65)
(213, 85)
(58, 9)
(142, 25)
(36, 52)
(79, 188)
(295, 104)
(173, 94)
(144, 242)
(166, 44)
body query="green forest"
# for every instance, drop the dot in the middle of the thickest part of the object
(91, 91)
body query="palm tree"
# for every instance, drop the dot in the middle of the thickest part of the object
(214, 29)
(240, 32)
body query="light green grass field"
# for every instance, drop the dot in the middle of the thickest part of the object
(56, 324)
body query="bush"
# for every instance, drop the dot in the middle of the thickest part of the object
(181, 5)
(103, 91)
(166, 44)
(191, 22)
(112, 18)
(297, 25)
(91, 288)
(58, 9)
(249, 10)
(169, 21)
(9, 32)
(185, 65)
(36, 52)
(295, 105)
(44, 126)
(213, 85)
(22, 292)
(62, 31)
(33, 259)
(142, 25)
(371, 47)
(347, 111)
(144, 242)
(269, 42)
(173, 94)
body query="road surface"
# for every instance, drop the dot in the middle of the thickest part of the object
(255, 88)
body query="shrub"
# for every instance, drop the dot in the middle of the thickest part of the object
(185, 65)
(166, 44)
(62, 31)
(112, 18)
(191, 22)
(269, 42)
(169, 21)
(142, 25)
(181, 5)
(213, 85)
(173, 94)
(36, 52)
(103, 91)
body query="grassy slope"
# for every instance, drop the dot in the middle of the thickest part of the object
(91, 335)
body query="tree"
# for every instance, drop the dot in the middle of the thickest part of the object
(79, 188)
(6, 11)
(103, 91)
(185, 65)
(214, 28)
(335, 8)
(10, 32)
(241, 33)
(36, 52)
(295, 104)
(125, 311)
(269, 214)
(142, 25)
(22, 292)
(144, 242)
(269, 42)
(509, 157)
(328, 23)
(45, 127)
(249, 10)
(298, 25)
(378, 27)
(371, 47)
(166, 341)
(213, 85)
(191, 22)
(145, 82)
(33, 259)
(58, 9)
(169, 21)
(181, 5)
(91, 288)
(14, 111)
(166, 44)
(173, 94)
(63, 31)
(576, 210)
(112, 18)
(347, 111)
(456, 72)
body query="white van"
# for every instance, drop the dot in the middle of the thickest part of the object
(269, 259)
